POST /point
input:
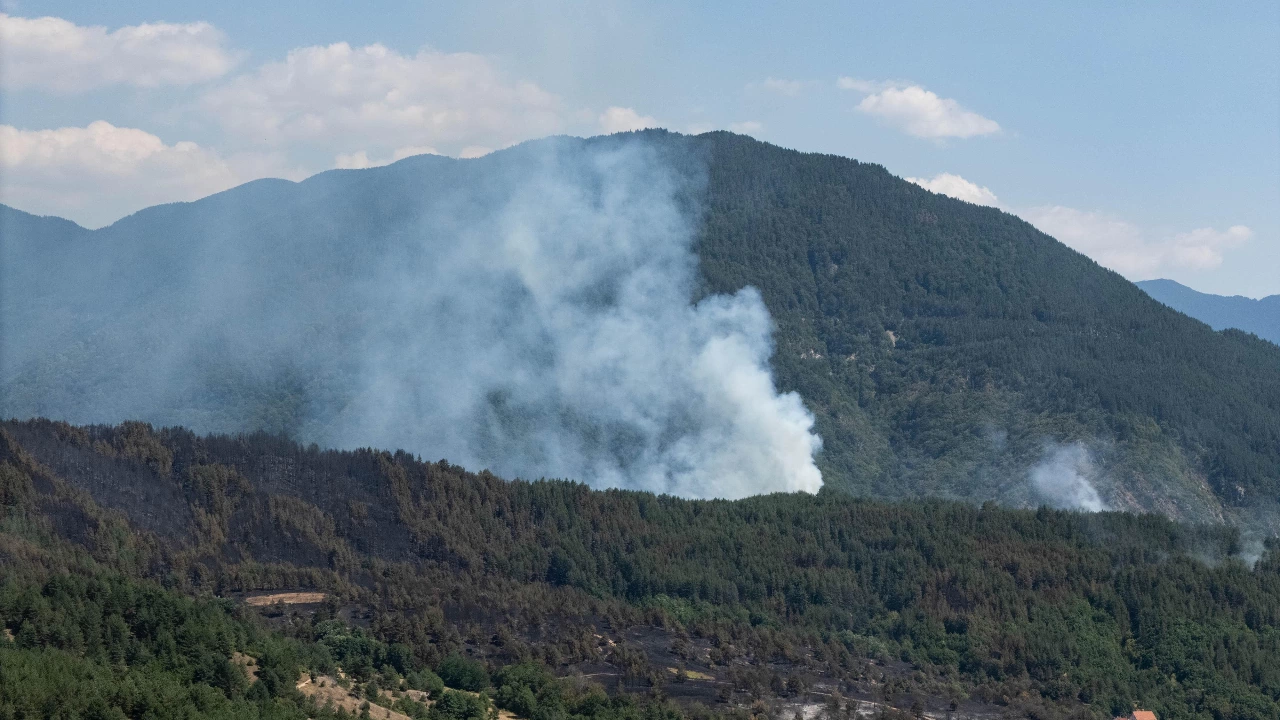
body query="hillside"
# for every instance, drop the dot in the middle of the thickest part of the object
(944, 349)
(754, 608)
(1260, 317)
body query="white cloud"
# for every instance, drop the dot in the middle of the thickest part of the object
(1201, 249)
(343, 95)
(101, 172)
(749, 127)
(50, 53)
(360, 159)
(862, 86)
(622, 119)
(1125, 248)
(917, 111)
(1111, 241)
(921, 113)
(411, 150)
(746, 127)
(958, 188)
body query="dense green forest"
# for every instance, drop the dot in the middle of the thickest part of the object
(646, 605)
(942, 346)
(994, 325)
(90, 643)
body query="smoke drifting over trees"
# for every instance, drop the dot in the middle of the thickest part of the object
(556, 336)
(478, 310)
(536, 318)
(1064, 479)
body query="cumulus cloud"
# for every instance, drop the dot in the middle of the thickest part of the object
(360, 159)
(1201, 249)
(958, 188)
(1125, 248)
(98, 173)
(748, 127)
(864, 86)
(50, 53)
(917, 111)
(1111, 241)
(351, 95)
(623, 119)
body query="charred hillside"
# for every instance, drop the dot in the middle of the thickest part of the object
(791, 598)
(944, 349)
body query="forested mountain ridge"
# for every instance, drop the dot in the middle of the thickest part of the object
(942, 323)
(1260, 317)
(945, 349)
(983, 612)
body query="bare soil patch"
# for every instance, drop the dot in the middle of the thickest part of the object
(691, 674)
(288, 598)
(247, 664)
(326, 690)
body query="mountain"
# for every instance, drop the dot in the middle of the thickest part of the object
(387, 567)
(944, 349)
(1260, 317)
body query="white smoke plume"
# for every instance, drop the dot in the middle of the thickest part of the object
(557, 338)
(1064, 479)
(535, 312)
(1252, 548)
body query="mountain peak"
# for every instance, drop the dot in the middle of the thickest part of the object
(937, 348)
(1260, 317)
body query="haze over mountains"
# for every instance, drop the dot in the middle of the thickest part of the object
(653, 311)
(1260, 317)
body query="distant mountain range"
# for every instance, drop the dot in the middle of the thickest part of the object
(944, 349)
(1260, 317)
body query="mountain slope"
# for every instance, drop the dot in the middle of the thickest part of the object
(944, 348)
(1001, 337)
(1260, 317)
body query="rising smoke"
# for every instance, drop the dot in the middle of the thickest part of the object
(558, 337)
(535, 317)
(1064, 478)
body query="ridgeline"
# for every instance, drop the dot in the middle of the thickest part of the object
(944, 348)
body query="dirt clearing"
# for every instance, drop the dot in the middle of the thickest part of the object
(326, 690)
(289, 598)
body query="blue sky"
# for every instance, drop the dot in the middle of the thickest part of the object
(1146, 135)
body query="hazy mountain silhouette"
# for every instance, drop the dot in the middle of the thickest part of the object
(1260, 317)
(943, 348)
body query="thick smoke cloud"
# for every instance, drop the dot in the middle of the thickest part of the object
(532, 313)
(558, 337)
(1064, 479)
